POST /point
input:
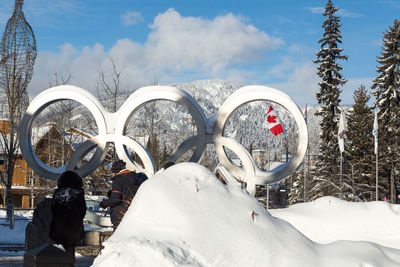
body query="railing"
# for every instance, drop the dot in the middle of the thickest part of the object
(12, 246)
(9, 221)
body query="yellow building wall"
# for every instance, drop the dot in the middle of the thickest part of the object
(25, 202)
(20, 172)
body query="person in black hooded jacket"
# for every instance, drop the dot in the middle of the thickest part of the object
(125, 184)
(68, 207)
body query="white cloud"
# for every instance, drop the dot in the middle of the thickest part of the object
(131, 18)
(341, 12)
(346, 13)
(176, 46)
(197, 43)
(281, 70)
(353, 84)
(302, 83)
(82, 65)
(316, 10)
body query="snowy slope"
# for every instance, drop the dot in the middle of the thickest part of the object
(342, 220)
(185, 217)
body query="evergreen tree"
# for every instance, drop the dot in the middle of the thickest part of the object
(387, 94)
(361, 158)
(325, 175)
(165, 156)
(153, 146)
(296, 187)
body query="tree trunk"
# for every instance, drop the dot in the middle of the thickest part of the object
(8, 186)
(392, 190)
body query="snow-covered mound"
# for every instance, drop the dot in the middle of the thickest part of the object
(377, 222)
(185, 217)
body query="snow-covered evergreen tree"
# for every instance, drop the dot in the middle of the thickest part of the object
(387, 86)
(326, 176)
(360, 166)
(297, 187)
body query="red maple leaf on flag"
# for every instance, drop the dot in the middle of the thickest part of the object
(271, 119)
(273, 123)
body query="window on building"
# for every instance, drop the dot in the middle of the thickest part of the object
(30, 180)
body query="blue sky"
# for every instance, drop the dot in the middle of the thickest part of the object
(253, 42)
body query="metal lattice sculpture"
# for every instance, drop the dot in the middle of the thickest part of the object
(18, 54)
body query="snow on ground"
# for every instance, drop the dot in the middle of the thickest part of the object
(185, 217)
(16, 235)
(329, 219)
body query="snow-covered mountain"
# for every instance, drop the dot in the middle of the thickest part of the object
(247, 124)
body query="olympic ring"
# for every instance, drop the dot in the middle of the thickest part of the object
(38, 104)
(252, 172)
(112, 126)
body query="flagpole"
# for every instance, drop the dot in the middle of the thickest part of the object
(375, 134)
(341, 132)
(341, 174)
(269, 154)
(305, 177)
(304, 164)
(269, 168)
(376, 179)
(275, 128)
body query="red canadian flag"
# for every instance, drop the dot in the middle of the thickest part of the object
(273, 123)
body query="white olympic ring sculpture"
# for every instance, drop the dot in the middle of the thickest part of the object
(112, 126)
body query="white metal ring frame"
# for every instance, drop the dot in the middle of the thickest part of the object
(112, 126)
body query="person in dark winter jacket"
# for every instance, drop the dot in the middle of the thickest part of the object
(125, 184)
(142, 177)
(68, 207)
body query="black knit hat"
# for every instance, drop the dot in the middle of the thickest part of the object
(118, 166)
(69, 179)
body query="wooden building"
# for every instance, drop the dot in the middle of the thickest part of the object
(53, 147)
(28, 188)
(23, 185)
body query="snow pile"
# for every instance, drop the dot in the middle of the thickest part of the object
(329, 219)
(184, 216)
